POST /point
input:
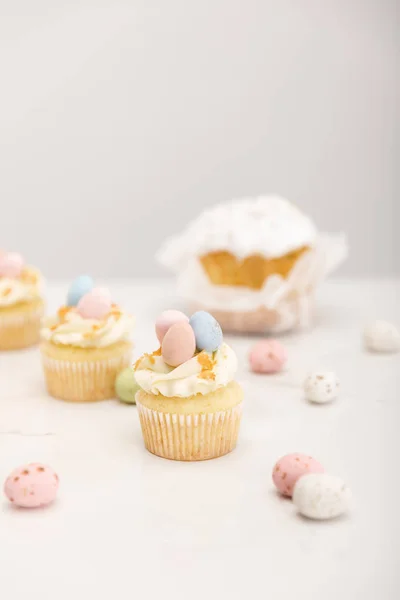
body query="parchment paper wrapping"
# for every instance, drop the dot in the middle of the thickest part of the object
(281, 305)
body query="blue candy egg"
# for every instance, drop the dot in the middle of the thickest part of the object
(78, 288)
(207, 331)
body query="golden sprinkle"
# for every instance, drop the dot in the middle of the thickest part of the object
(207, 364)
(6, 292)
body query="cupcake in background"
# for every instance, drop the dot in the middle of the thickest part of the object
(254, 263)
(189, 403)
(21, 303)
(86, 344)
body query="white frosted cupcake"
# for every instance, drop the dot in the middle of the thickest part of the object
(261, 257)
(21, 303)
(85, 346)
(189, 403)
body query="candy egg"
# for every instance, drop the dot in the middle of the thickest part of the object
(178, 345)
(92, 306)
(290, 468)
(31, 485)
(166, 320)
(126, 386)
(207, 331)
(321, 496)
(321, 387)
(11, 264)
(267, 356)
(382, 336)
(102, 291)
(79, 287)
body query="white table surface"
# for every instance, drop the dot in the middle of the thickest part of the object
(130, 525)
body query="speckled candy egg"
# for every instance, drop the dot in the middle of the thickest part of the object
(382, 336)
(321, 496)
(126, 386)
(11, 264)
(166, 320)
(178, 345)
(290, 468)
(321, 387)
(94, 306)
(31, 485)
(207, 331)
(267, 356)
(79, 287)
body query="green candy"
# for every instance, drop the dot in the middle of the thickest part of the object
(126, 386)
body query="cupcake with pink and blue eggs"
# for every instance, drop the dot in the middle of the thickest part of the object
(21, 302)
(189, 403)
(86, 344)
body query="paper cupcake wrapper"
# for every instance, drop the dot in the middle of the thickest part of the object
(22, 330)
(190, 437)
(84, 381)
(281, 304)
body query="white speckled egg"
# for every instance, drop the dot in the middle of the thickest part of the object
(321, 387)
(382, 336)
(321, 496)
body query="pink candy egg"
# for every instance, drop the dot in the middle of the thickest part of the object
(267, 356)
(178, 345)
(166, 320)
(290, 468)
(94, 306)
(101, 291)
(31, 485)
(11, 264)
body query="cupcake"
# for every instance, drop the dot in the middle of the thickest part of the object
(85, 345)
(263, 258)
(189, 404)
(21, 305)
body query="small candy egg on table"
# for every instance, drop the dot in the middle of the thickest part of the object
(267, 356)
(31, 486)
(79, 287)
(321, 496)
(126, 386)
(321, 387)
(288, 470)
(382, 336)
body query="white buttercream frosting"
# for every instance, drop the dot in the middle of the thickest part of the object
(25, 288)
(68, 328)
(202, 374)
(267, 225)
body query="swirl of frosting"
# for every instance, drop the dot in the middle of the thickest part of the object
(203, 373)
(25, 288)
(69, 328)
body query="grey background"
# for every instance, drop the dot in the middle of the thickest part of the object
(120, 121)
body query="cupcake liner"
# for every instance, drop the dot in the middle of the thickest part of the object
(20, 330)
(283, 303)
(199, 436)
(83, 381)
(296, 312)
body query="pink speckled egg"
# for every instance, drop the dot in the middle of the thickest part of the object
(166, 320)
(178, 345)
(31, 485)
(11, 264)
(267, 356)
(290, 468)
(94, 306)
